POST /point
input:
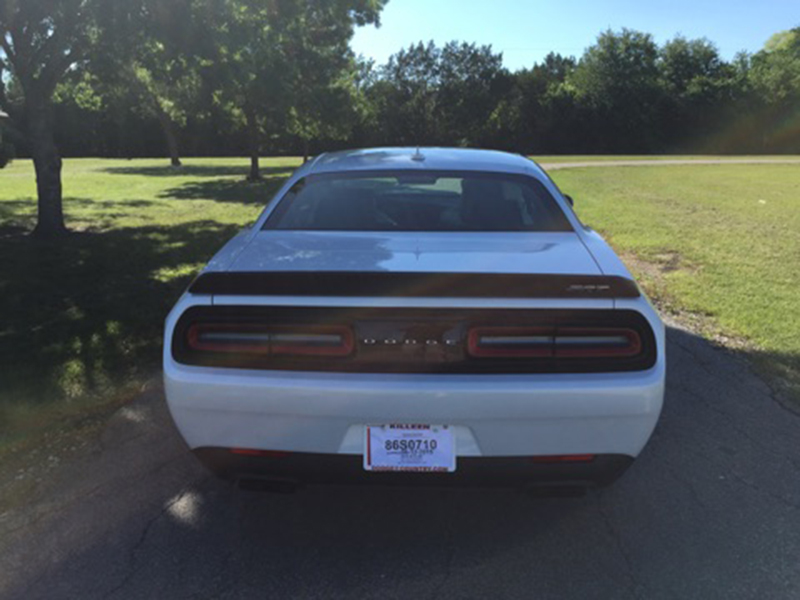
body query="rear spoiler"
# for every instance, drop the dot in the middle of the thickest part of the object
(412, 285)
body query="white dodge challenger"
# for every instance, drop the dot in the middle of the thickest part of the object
(416, 316)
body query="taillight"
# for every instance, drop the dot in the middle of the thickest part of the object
(510, 341)
(211, 337)
(414, 340)
(592, 342)
(257, 339)
(558, 342)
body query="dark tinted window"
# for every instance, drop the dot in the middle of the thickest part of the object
(405, 201)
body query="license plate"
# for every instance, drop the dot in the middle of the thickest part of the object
(409, 448)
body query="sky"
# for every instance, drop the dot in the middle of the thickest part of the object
(526, 30)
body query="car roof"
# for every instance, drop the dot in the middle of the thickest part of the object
(423, 158)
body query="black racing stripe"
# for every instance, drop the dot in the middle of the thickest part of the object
(413, 285)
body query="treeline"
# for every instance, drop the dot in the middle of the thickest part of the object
(624, 95)
(132, 78)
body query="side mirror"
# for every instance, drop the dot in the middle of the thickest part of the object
(569, 199)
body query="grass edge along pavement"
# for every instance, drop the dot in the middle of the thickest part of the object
(712, 245)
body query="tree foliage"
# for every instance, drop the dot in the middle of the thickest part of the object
(223, 77)
(444, 96)
(775, 74)
(41, 40)
(264, 78)
(617, 82)
(279, 63)
(268, 65)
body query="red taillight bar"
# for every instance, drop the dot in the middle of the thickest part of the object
(236, 338)
(592, 342)
(510, 341)
(213, 337)
(557, 342)
(302, 340)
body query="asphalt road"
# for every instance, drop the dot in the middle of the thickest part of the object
(710, 510)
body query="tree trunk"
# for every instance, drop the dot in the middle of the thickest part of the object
(305, 150)
(47, 162)
(254, 141)
(169, 136)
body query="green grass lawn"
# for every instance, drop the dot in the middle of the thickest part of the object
(720, 242)
(560, 158)
(82, 318)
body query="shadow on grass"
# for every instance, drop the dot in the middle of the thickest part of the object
(10, 209)
(104, 204)
(17, 217)
(229, 190)
(85, 313)
(197, 171)
(88, 214)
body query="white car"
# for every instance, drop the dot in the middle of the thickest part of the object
(416, 316)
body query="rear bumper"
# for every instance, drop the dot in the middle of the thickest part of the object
(493, 416)
(309, 468)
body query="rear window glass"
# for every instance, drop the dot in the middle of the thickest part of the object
(418, 202)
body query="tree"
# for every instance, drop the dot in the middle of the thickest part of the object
(41, 40)
(165, 89)
(6, 149)
(472, 81)
(407, 94)
(321, 81)
(154, 64)
(150, 77)
(323, 110)
(683, 62)
(537, 114)
(362, 76)
(431, 95)
(259, 63)
(698, 85)
(776, 76)
(617, 83)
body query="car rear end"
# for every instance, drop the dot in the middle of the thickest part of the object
(536, 391)
(507, 358)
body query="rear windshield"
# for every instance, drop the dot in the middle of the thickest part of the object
(403, 201)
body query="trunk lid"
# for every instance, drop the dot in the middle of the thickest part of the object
(413, 252)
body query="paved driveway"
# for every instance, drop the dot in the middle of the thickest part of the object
(710, 510)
